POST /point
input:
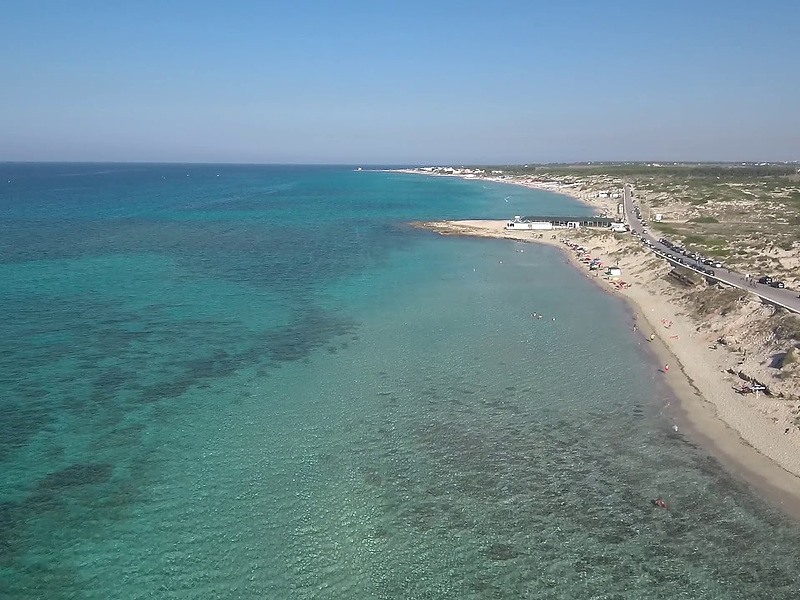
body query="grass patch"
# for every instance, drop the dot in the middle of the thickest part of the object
(694, 239)
(666, 229)
(788, 359)
(719, 252)
(716, 242)
(684, 276)
(787, 327)
(715, 301)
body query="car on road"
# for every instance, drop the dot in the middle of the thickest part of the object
(766, 280)
(778, 284)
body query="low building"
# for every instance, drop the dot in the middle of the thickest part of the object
(546, 223)
(529, 225)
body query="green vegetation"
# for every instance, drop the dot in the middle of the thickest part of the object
(786, 326)
(693, 239)
(715, 301)
(666, 229)
(685, 277)
(745, 213)
(723, 171)
(789, 358)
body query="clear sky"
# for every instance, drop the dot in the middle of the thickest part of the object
(391, 82)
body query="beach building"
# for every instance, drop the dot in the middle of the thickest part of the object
(529, 225)
(540, 223)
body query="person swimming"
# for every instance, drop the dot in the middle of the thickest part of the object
(660, 503)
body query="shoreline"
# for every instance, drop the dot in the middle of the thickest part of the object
(526, 182)
(707, 411)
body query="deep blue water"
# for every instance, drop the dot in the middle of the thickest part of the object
(260, 382)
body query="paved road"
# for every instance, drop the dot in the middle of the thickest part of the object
(785, 297)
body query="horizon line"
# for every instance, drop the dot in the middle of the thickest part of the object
(412, 165)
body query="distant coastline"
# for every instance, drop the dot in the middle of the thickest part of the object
(498, 176)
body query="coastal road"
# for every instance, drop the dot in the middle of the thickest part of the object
(783, 297)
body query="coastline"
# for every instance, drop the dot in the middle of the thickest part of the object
(744, 436)
(585, 198)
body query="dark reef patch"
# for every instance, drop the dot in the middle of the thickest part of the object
(500, 551)
(309, 330)
(77, 475)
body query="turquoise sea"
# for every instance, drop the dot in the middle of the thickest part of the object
(260, 382)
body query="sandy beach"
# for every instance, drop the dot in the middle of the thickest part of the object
(754, 436)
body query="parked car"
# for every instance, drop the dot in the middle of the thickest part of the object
(778, 284)
(766, 280)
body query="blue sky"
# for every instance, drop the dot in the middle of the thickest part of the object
(400, 82)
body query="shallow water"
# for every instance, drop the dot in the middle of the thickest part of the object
(264, 384)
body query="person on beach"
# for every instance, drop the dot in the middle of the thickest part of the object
(666, 368)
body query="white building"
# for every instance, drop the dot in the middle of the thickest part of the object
(529, 225)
